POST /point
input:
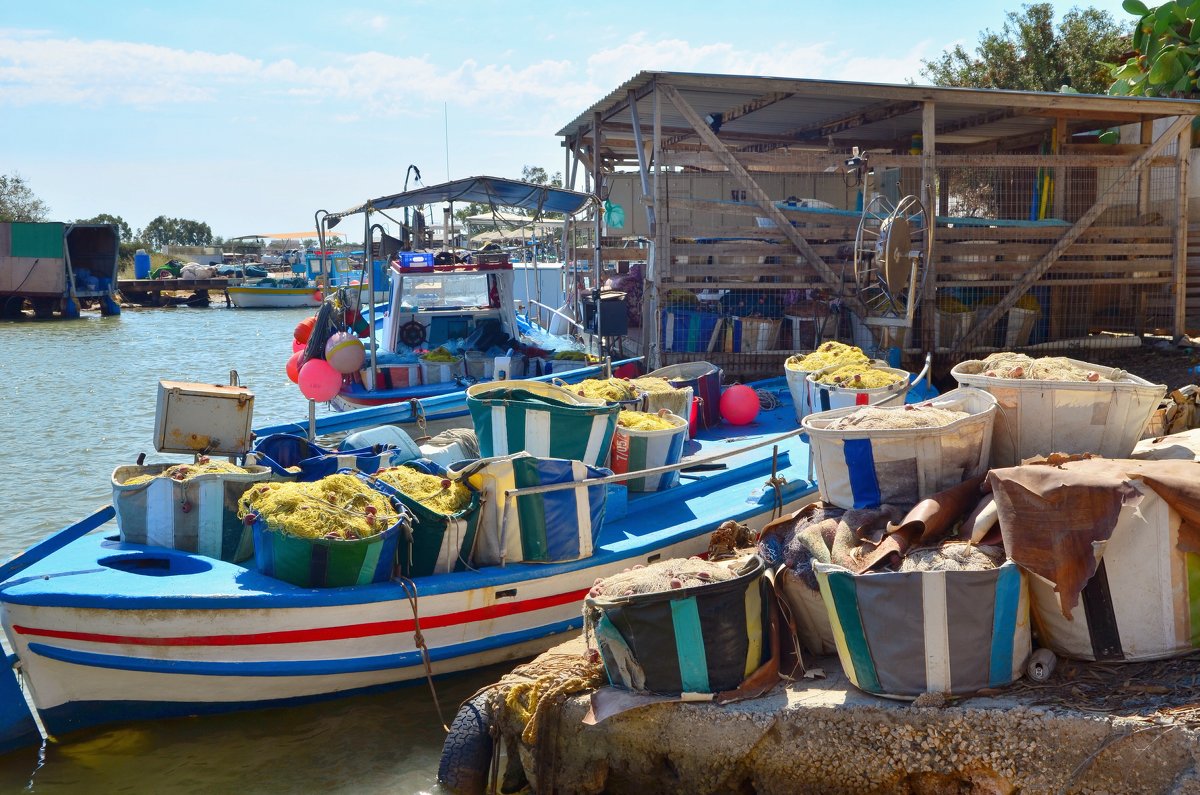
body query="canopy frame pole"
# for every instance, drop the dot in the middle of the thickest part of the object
(369, 263)
(599, 229)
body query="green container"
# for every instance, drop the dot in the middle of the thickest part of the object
(326, 563)
(440, 543)
(541, 419)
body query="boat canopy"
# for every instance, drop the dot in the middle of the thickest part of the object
(481, 190)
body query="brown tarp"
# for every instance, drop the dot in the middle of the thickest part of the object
(1052, 514)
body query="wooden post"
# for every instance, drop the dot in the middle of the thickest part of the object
(828, 278)
(1058, 249)
(1179, 266)
(1059, 180)
(597, 180)
(929, 199)
(1143, 196)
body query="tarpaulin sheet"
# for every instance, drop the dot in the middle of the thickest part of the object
(1052, 515)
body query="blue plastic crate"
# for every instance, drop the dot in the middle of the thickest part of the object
(688, 330)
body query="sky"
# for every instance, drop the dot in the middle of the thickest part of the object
(251, 116)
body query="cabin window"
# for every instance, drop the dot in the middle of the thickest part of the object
(444, 291)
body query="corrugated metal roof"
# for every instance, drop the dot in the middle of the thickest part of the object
(818, 112)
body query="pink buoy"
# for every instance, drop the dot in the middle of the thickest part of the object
(318, 381)
(293, 365)
(345, 352)
(739, 405)
(318, 296)
(297, 345)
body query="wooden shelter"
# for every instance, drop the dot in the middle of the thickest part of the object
(749, 192)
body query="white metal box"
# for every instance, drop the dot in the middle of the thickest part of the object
(202, 418)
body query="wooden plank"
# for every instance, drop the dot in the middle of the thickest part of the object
(758, 194)
(1102, 203)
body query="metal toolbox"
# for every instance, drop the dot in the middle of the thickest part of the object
(203, 418)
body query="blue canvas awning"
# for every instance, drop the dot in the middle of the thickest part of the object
(493, 191)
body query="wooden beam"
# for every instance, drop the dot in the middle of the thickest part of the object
(871, 115)
(736, 112)
(1183, 154)
(826, 274)
(1037, 271)
(992, 116)
(929, 199)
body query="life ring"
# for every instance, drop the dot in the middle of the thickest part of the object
(467, 752)
(412, 333)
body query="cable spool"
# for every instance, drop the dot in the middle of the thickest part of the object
(412, 333)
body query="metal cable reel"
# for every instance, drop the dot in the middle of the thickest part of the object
(890, 252)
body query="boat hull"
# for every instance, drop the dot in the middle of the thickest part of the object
(86, 666)
(250, 297)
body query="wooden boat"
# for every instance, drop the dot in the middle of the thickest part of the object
(106, 631)
(272, 293)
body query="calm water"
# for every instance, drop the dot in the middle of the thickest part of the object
(78, 401)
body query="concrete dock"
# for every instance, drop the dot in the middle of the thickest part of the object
(1092, 728)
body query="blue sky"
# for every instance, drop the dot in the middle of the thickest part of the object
(251, 116)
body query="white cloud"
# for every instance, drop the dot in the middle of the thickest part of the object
(38, 69)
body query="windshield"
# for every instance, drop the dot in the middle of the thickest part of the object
(444, 290)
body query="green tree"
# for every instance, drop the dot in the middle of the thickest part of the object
(17, 201)
(1030, 54)
(164, 231)
(124, 233)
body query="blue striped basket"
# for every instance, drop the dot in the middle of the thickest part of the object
(952, 632)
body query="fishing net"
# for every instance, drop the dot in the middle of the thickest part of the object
(185, 472)
(1048, 368)
(828, 354)
(612, 390)
(954, 556)
(652, 384)
(872, 418)
(339, 506)
(661, 576)
(858, 376)
(438, 494)
(440, 354)
(641, 421)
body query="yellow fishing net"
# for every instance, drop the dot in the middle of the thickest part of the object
(652, 384)
(827, 354)
(335, 507)
(859, 376)
(184, 472)
(610, 389)
(438, 494)
(578, 356)
(440, 354)
(641, 421)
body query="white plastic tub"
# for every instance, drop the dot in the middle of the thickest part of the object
(1041, 417)
(825, 397)
(864, 468)
(441, 372)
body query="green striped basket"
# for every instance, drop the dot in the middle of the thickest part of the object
(327, 563)
(541, 419)
(440, 543)
(634, 450)
(704, 639)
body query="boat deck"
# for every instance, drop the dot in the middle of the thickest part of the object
(100, 571)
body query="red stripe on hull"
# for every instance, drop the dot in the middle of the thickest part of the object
(320, 633)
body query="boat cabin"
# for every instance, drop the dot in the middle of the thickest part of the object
(432, 305)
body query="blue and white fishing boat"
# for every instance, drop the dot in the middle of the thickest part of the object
(443, 301)
(103, 630)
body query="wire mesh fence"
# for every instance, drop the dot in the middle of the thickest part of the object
(1097, 242)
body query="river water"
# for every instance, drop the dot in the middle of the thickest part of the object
(78, 401)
